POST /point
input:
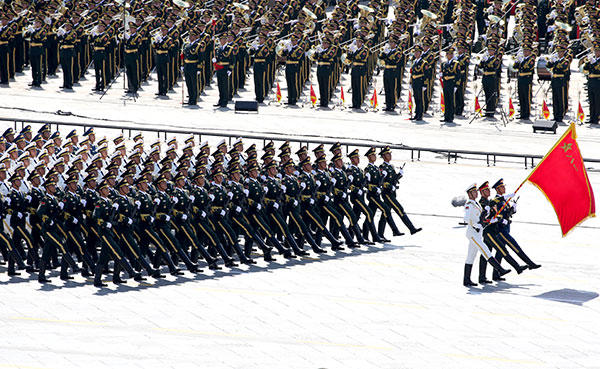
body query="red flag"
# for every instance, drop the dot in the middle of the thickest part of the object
(442, 83)
(545, 111)
(511, 108)
(278, 94)
(313, 96)
(478, 107)
(410, 102)
(562, 177)
(342, 96)
(374, 99)
(580, 113)
(442, 103)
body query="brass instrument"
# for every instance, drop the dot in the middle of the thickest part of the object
(345, 60)
(281, 46)
(309, 13)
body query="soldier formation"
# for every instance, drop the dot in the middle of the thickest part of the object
(197, 40)
(75, 205)
(488, 228)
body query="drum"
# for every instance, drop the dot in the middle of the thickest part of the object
(543, 72)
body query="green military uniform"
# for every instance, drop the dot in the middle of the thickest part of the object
(36, 53)
(192, 56)
(68, 42)
(390, 77)
(526, 69)
(132, 49)
(359, 60)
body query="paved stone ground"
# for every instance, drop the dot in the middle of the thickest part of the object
(399, 305)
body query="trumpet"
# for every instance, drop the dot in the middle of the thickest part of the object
(379, 46)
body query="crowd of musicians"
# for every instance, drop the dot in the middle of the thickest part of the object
(436, 39)
(74, 204)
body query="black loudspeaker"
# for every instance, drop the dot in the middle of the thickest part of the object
(246, 106)
(545, 125)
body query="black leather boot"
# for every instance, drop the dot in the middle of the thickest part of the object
(467, 276)
(98, 276)
(42, 273)
(64, 270)
(501, 271)
(482, 270)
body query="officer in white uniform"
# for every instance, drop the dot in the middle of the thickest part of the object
(474, 231)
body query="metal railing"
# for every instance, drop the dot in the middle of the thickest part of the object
(452, 155)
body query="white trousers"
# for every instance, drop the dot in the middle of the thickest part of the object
(476, 244)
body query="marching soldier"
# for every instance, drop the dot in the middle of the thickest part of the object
(474, 228)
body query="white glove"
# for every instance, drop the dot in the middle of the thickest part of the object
(151, 219)
(276, 205)
(61, 205)
(51, 223)
(378, 190)
(351, 178)
(211, 197)
(214, 60)
(368, 175)
(393, 188)
(184, 217)
(344, 195)
(333, 181)
(167, 218)
(157, 201)
(440, 75)
(108, 225)
(509, 196)
(192, 198)
(264, 178)
(28, 198)
(296, 173)
(129, 221)
(504, 221)
(230, 195)
(360, 192)
(8, 200)
(238, 209)
(495, 220)
(116, 206)
(283, 188)
(326, 198)
(312, 201)
(514, 206)
(400, 171)
(203, 214)
(138, 203)
(223, 213)
(455, 89)
(175, 199)
(295, 202)
(487, 208)
(228, 73)
(318, 183)
(303, 185)
(246, 192)
(384, 173)
(266, 189)
(258, 206)
(83, 202)
(75, 221)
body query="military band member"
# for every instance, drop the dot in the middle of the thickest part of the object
(260, 52)
(68, 42)
(223, 61)
(132, 46)
(294, 56)
(490, 64)
(325, 59)
(417, 78)
(162, 44)
(450, 74)
(99, 41)
(390, 78)
(526, 66)
(5, 50)
(37, 35)
(592, 68)
(191, 55)
(359, 56)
